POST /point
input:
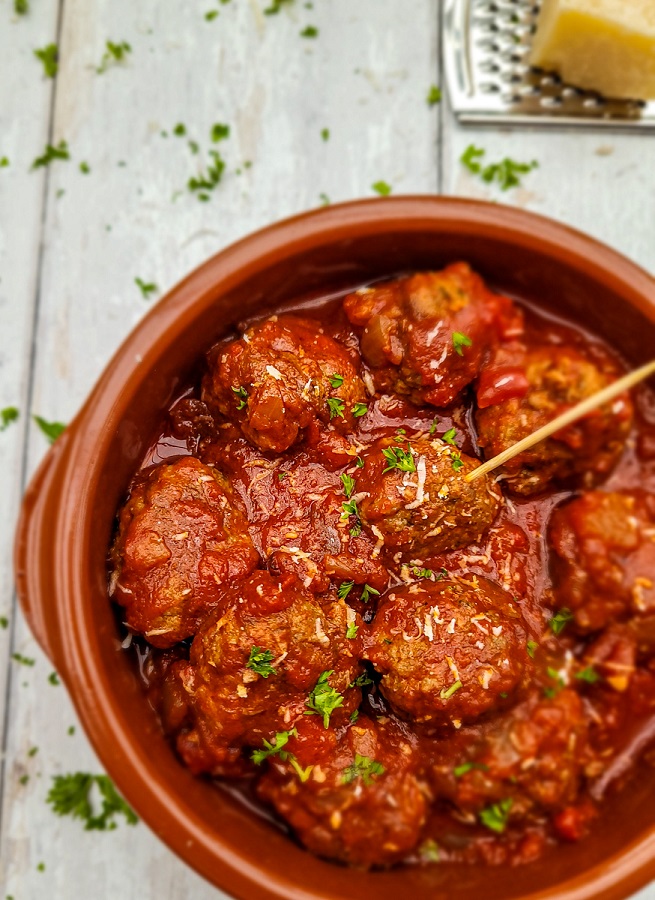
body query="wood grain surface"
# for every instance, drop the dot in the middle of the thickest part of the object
(72, 244)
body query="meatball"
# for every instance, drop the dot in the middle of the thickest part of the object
(426, 336)
(532, 760)
(282, 376)
(603, 557)
(358, 800)
(414, 497)
(256, 663)
(180, 536)
(556, 378)
(448, 651)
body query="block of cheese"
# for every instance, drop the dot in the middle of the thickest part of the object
(602, 45)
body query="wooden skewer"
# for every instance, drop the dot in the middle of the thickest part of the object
(571, 415)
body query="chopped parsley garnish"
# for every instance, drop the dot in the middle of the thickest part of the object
(419, 572)
(48, 56)
(70, 795)
(282, 475)
(506, 173)
(71, 730)
(344, 589)
(354, 715)
(324, 699)
(260, 662)
(381, 188)
(359, 409)
(23, 779)
(220, 132)
(50, 154)
(449, 437)
(207, 181)
(4, 622)
(23, 660)
(146, 288)
(51, 430)
(275, 7)
(348, 484)
(351, 631)
(349, 509)
(325, 134)
(303, 774)
(365, 768)
(560, 620)
(460, 341)
(274, 749)
(447, 693)
(4, 162)
(336, 380)
(8, 415)
(32, 751)
(434, 95)
(115, 53)
(429, 851)
(456, 462)
(40, 867)
(590, 675)
(551, 692)
(211, 15)
(397, 458)
(458, 771)
(361, 681)
(531, 647)
(359, 462)
(21, 7)
(85, 168)
(309, 32)
(242, 396)
(53, 678)
(434, 425)
(495, 817)
(194, 146)
(180, 129)
(367, 592)
(336, 407)
(325, 200)
(356, 529)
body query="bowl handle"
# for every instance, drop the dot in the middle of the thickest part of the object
(34, 565)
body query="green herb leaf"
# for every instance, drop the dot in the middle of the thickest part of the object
(303, 774)
(359, 410)
(4, 622)
(115, 53)
(220, 132)
(276, 6)
(348, 484)
(458, 771)
(8, 415)
(447, 693)
(325, 134)
(551, 692)
(507, 173)
(381, 188)
(53, 678)
(51, 430)
(397, 458)
(367, 593)
(434, 425)
(361, 681)
(349, 509)
(274, 749)
(336, 407)
(260, 662)
(48, 56)
(344, 589)
(418, 572)
(21, 7)
(359, 462)
(309, 32)
(363, 767)
(351, 631)
(471, 157)
(590, 675)
(85, 168)
(560, 620)
(146, 288)
(429, 851)
(50, 154)
(208, 180)
(449, 437)
(324, 699)
(70, 795)
(354, 715)
(531, 647)
(460, 341)
(180, 129)
(456, 462)
(242, 395)
(23, 660)
(336, 380)
(434, 95)
(211, 15)
(325, 200)
(4, 162)
(495, 817)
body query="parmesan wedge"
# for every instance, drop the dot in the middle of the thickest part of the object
(601, 45)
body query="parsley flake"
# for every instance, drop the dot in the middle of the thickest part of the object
(260, 662)
(336, 407)
(242, 395)
(359, 462)
(323, 699)
(361, 681)
(51, 430)
(449, 437)
(456, 462)
(348, 484)
(21, 7)
(23, 660)
(85, 168)
(336, 380)
(590, 675)
(351, 631)
(325, 200)
(381, 188)
(531, 647)
(495, 817)
(363, 767)
(146, 288)
(8, 415)
(208, 180)
(325, 134)
(220, 132)
(349, 509)
(434, 425)
(368, 592)
(211, 15)
(397, 458)
(49, 56)
(274, 749)
(275, 7)
(115, 53)
(309, 32)
(551, 692)
(344, 589)
(560, 620)
(458, 771)
(53, 678)
(70, 795)
(180, 129)
(434, 95)
(4, 622)
(50, 154)
(447, 693)
(359, 410)
(460, 341)
(4, 162)
(506, 173)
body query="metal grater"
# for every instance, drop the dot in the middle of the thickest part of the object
(486, 44)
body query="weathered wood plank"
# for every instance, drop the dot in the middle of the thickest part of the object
(366, 80)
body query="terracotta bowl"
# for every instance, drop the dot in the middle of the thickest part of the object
(69, 508)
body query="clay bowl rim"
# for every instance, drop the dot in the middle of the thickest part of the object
(76, 457)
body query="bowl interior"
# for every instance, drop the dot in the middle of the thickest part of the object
(216, 834)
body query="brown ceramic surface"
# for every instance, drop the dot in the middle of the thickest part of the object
(69, 509)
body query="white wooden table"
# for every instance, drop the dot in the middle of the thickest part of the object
(72, 244)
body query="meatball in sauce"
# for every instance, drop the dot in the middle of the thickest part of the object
(393, 664)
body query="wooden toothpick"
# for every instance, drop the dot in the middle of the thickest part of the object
(571, 415)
